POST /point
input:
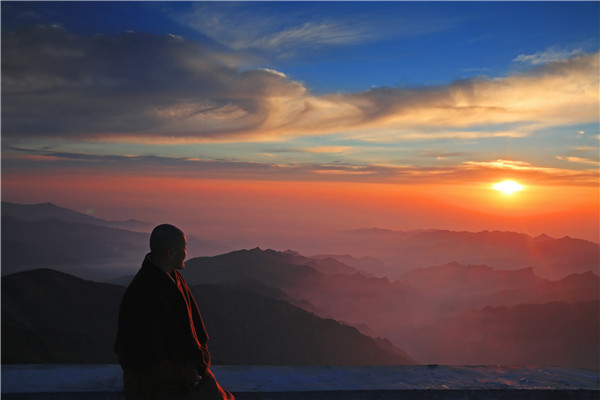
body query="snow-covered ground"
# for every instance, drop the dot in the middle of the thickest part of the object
(107, 378)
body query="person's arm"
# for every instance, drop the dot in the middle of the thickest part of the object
(175, 370)
(203, 359)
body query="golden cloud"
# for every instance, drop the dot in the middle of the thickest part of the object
(560, 93)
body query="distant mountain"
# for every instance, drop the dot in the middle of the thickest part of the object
(78, 248)
(403, 251)
(254, 286)
(564, 334)
(49, 211)
(454, 278)
(272, 268)
(362, 264)
(263, 331)
(395, 310)
(52, 317)
(454, 288)
(573, 288)
(437, 280)
(344, 297)
(324, 264)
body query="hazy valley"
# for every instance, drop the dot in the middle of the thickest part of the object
(435, 296)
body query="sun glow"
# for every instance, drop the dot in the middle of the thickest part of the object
(508, 187)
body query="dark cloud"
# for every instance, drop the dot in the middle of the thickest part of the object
(60, 84)
(47, 161)
(141, 86)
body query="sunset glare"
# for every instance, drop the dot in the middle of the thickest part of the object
(260, 123)
(508, 187)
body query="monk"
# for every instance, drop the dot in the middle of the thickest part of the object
(161, 339)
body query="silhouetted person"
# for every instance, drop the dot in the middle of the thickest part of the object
(161, 339)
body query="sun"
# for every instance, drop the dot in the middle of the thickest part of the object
(508, 187)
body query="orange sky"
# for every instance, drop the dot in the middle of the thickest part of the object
(283, 215)
(306, 117)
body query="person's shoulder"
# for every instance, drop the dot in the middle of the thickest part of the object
(144, 279)
(147, 275)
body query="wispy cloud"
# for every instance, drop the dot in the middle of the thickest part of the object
(579, 160)
(315, 150)
(552, 54)
(245, 28)
(457, 172)
(141, 87)
(278, 31)
(534, 173)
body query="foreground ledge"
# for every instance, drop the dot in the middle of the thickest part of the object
(95, 382)
(415, 394)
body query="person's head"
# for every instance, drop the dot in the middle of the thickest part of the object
(168, 247)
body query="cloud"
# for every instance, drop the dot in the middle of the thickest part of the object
(48, 161)
(142, 87)
(441, 155)
(286, 31)
(535, 174)
(314, 150)
(244, 28)
(55, 83)
(552, 54)
(579, 160)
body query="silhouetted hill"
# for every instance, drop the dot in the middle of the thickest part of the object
(324, 264)
(362, 264)
(454, 283)
(454, 278)
(271, 332)
(573, 288)
(46, 211)
(78, 248)
(254, 286)
(49, 316)
(52, 317)
(564, 334)
(535, 271)
(379, 307)
(454, 288)
(356, 298)
(394, 309)
(272, 268)
(404, 251)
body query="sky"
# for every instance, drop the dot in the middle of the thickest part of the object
(264, 123)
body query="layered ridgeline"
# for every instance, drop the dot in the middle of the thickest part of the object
(47, 236)
(52, 317)
(441, 296)
(468, 313)
(401, 251)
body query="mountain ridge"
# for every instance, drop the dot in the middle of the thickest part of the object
(409, 297)
(49, 210)
(53, 317)
(402, 251)
(533, 334)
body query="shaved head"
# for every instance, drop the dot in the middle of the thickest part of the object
(165, 237)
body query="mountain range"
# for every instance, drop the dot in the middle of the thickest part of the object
(397, 310)
(95, 251)
(556, 333)
(378, 252)
(45, 211)
(381, 284)
(402, 251)
(52, 317)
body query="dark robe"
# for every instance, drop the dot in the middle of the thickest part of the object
(161, 337)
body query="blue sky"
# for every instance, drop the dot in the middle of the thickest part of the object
(346, 46)
(406, 93)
